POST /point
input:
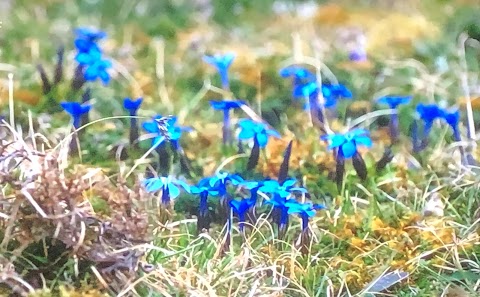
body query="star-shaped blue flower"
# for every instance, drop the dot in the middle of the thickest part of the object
(168, 185)
(297, 72)
(88, 53)
(222, 64)
(76, 110)
(259, 131)
(203, 189)
(283, 190)
(305, 210)
(220, 180)
(98, 69)
(132, 105)
(453, 119)
(225, 106)
(429, 113)
(253, 187)
(171, 133)
(336, 91)
(394, 101)
(347, 143)
(241, 207)
(90, 33)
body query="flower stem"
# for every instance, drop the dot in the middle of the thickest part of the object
(226, 127)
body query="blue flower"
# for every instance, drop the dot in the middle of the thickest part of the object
(221, 179)
(90, 33)
(305, 90)
(347, 143)
(132, 105)
(86, 45)
(428, 113)
(171, 132)
(305, 210)
(203, 189)
(453, 119)
(394, 101)
(241, 207)
(280, 193)
(336, 91)
(98, 69)
(168, 185)
(75, 110)
(222, 63)
(297, 72)
(253, 186)
(88, 53)
(259, 131)
(283, 190)
(225, 106)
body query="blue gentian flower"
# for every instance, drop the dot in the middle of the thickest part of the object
(428, 113)
(259, 131)
(297, 72)
(222, 63)
(253, 187)
(75, 110)
(172, 132)
(336, 91)
(453, 118)
(220, 180)
(204, 189)
(86, 45)
(98, 69)
(88, 54)
(280, 193)
(305, 90)
(282, 190)
(241, 207)
(347, 143)
(168, 185)
(225, 106)
(394, 101)
(90, 34)
(305, 210)
(132, 105)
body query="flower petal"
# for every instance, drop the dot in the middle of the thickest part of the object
(262, 139)
(173, 190)
(348, 149)
(363, 140)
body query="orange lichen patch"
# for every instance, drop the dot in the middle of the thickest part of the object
(23, 95)
(332, 14)
(462, 102)
(398, 30)
(400, 243)
(301, 153)
(144, 85)
(385, 30)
